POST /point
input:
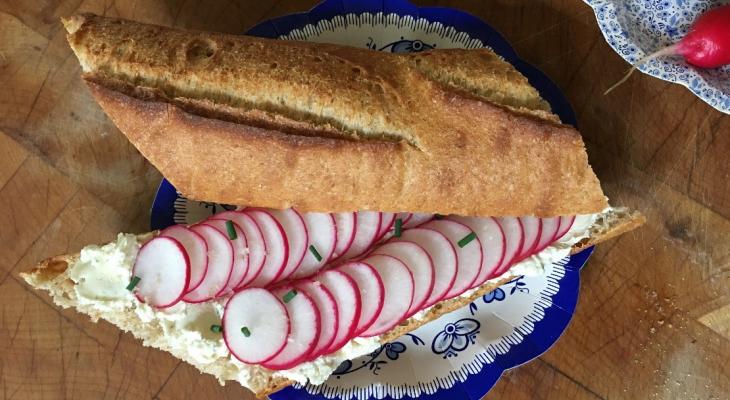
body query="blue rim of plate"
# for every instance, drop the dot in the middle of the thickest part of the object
(558, 315)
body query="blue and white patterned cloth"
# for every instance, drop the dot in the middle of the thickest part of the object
(635, 28)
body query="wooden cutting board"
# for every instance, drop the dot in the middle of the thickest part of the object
(653, 319)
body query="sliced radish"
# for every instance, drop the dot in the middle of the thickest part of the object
(366, 230)
(386, 224)
(468, 253)
(514, 238)
(371, 292)
(549, 230)
(277, 248)
(417, 219)
(345, 223)
(328, 314)
(296, 236)
(197, 251)
(566, 222)
(398, 282)
(254, 239)
(240, 250)
(442, 254)
(532, 228)
(322, 234)
(304, 322)
(255, 325)
(163, 269)
(220, 265)
(419, 263)
(493, 244)
(347, 296)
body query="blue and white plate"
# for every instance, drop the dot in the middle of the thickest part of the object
(635, 28)
(461, 355)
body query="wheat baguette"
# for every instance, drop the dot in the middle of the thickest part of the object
(332, 128)
(51, 275)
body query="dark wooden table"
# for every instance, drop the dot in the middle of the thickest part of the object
(653, 319)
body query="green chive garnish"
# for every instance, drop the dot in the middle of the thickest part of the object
(438, 216)
(466, 239)
(231, 230)
(289, 295)
(216, 328)
(314, 252)
(135, 280)
(398, 227)
(245, 332)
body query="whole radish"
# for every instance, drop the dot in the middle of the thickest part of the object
(706, 45)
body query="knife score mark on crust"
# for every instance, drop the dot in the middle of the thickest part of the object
(263, 116)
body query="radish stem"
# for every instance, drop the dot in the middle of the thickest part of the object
(671, 50)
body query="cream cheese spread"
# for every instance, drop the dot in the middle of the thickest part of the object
(102, 273)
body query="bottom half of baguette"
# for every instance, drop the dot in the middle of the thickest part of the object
(54, 276)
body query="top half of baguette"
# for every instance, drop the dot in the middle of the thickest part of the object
(271, 123)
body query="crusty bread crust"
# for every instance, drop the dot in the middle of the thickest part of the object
(50, 275)
(331, 128)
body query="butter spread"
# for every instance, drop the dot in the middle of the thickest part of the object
(102, 273)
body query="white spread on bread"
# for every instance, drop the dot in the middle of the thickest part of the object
(102, 272)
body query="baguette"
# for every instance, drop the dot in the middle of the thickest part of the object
(325, 128)
(331, 128)
(51, 275)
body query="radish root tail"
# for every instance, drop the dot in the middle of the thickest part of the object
(671, 50)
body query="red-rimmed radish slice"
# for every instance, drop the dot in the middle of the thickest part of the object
(514, 237)
(366, 230)
(254, 240)
(386, 224)
(492, 238)
(240, 250)
(328, 314)
(417, 219)
(443, 256)
(371, 291)
(163, 269)
(419, 262)
(398, 283)
(220, 265)
(255, 325)
(304, 322)
(195, 247)
(532, 228)
(296, 236)
(566, 222)
(468, 253)
(322, 235)
(347, 296)
(346, 224)
(277, 248)
(549, 230)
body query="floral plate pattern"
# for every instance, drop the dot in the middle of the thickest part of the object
(462, 354)
(635, 28)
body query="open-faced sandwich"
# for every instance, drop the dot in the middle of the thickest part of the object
(376, 192)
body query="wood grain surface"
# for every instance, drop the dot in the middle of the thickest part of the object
(653, 320)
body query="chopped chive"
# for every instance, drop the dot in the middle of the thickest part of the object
(466, 239)
(289, 295)
(216, 328)
(398, 227)
(314, 252)
(231, 230)
(438, 216)
(133, 283)
(245, 331)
